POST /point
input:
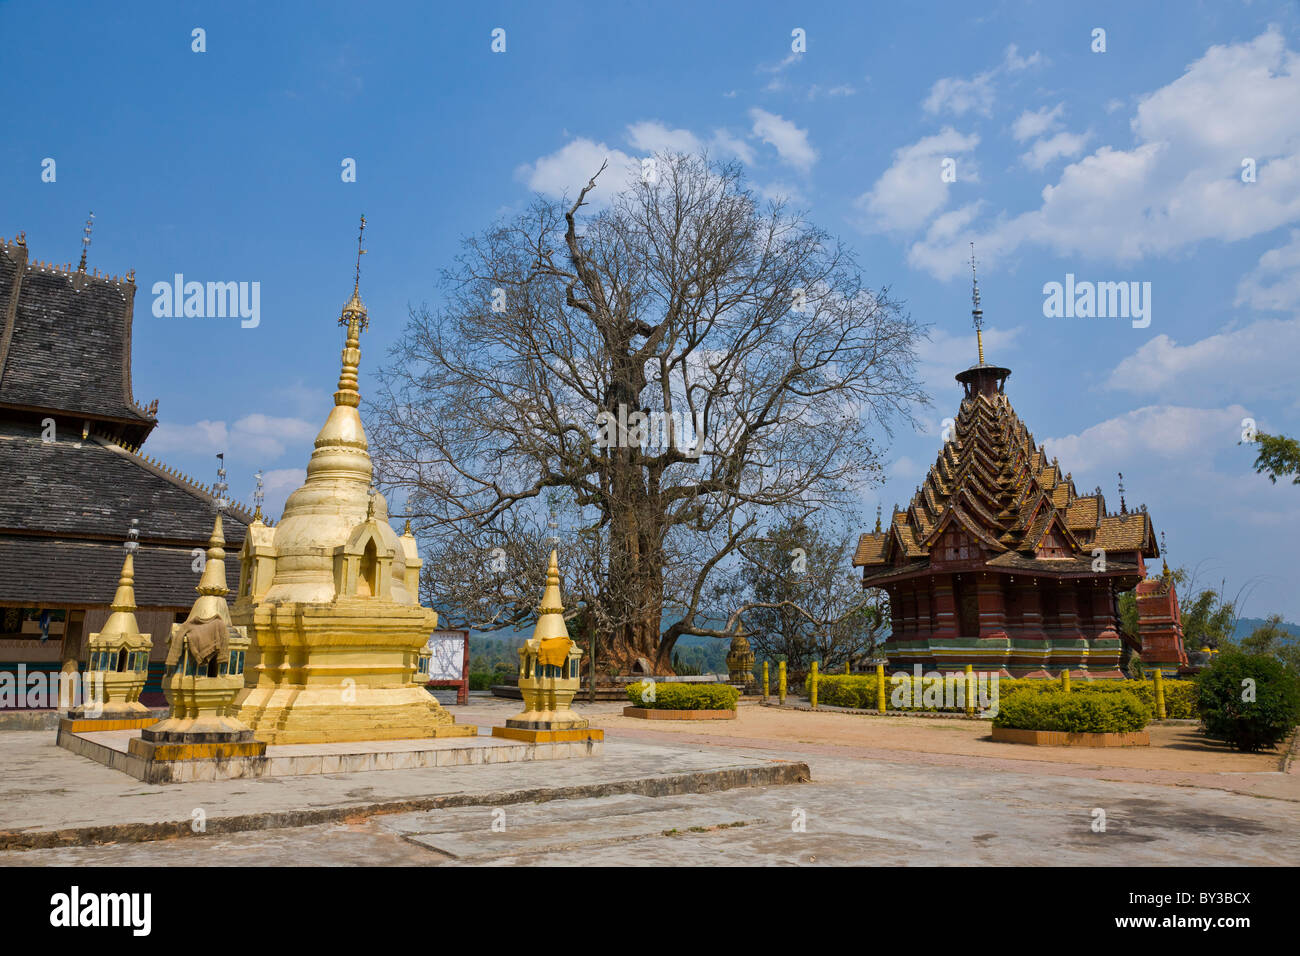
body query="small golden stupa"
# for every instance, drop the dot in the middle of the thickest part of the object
(329, 596)
(549, 668)
(204, 675)
(118, 656)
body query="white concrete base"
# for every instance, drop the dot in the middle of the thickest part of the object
(287, 760)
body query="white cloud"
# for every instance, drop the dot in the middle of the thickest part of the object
(256, 436)
(816, 90)
(1167, 433)
(1061, 145)
(566, 171)
(651, 136)
(911, 190)
(1274, 284)
(960, 96)
(724, 144)
(1254, 362)
(1030, 125)
(791, 142)
(1179, 185)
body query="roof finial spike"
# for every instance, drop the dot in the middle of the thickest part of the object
(258, 496)
(877, 517)
(1123, 508)
(977, 314)
(356, 288)
(85, 241)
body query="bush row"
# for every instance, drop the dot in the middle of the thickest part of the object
(859, 691)
(1078, 712)
(670, 696)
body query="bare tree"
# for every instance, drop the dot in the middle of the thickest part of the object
(800, 600)
(663, 379)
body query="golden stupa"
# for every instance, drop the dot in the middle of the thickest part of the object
(330, 597)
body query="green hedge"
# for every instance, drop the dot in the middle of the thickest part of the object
(670, 696)
(859, 691)
(1078, 712)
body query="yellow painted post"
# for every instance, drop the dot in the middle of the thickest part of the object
(1065, 680)
(1160, 695)
(848, 669)
(765, 694)
(812, 686)
(780, 682)
(970, 690)
(880, 688)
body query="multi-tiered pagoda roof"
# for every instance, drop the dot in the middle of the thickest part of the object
(1017, 509)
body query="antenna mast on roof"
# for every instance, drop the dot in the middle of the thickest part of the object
(977, 314)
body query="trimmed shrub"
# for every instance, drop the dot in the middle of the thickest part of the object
(1248, 725)
(1078, 712)
(670, 696)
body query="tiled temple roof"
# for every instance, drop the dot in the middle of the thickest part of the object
(65, 343)
(65, 571)
(1007, 491)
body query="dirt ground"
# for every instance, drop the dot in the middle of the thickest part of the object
(1179, 754)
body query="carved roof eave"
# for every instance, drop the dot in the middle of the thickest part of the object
(958, 514)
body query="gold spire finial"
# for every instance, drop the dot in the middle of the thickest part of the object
(977, 314)
(355, 318)
(550, 615)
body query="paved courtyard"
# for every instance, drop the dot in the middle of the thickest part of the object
(883, 791)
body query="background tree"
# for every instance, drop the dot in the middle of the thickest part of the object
(800, 599)
(746, 336)
(1278, 455)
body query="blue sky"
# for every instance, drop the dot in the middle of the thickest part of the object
(1123, 165)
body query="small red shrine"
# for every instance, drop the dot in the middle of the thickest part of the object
(1000, 563)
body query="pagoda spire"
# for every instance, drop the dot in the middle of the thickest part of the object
(357, 320)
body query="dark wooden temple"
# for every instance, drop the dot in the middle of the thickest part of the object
(72, 473)
(999, 562)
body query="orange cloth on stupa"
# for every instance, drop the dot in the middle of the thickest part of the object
(554, 652)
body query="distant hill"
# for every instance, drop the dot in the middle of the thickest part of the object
(1246, 625)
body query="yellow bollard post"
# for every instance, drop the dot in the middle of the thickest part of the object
(880, 688)
(780, 682)
(765, 694)
(848, 669)
(970, 690)
(1065, 680)
(1160, 695)
(812, 687)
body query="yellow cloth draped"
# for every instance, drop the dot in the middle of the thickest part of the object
(554, 652)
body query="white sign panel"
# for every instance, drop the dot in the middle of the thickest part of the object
(448, 657)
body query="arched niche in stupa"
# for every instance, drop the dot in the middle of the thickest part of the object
(363, 565)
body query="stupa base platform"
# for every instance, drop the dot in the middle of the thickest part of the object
(121, 750)
(155, 751)
(314, 715)
(548, 736)
(80, 724)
